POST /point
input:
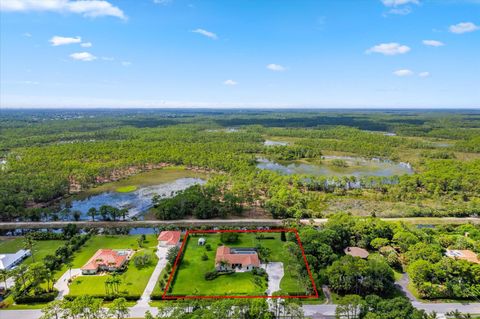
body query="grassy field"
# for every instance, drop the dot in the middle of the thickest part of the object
(126, 189)
(193, 268)
(41, 249)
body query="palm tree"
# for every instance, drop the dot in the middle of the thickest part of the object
(49, 278)
(108, 284)
(92, 212)
(116, 280)
(29, 243)
(5, 273)
(123, 213)
(70, 266)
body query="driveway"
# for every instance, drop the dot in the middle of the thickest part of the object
(402, 283)
(275, 274)
(62, 283)
(162, 262)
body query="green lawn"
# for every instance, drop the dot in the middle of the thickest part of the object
(81, 256)
(41, 249)
(190, 280)
(133, 280)
(126, 189)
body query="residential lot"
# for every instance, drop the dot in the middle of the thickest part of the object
(41, 248)
(190, 275)
(132, 281)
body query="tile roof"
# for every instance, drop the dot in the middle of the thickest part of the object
(171, 237)
(105, 257)
(463, 254)
(224, 254)
(356, 252)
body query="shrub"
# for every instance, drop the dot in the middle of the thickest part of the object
(211, 275)
(204, 257)
(229, 238)
(208, 247)
(44, 297)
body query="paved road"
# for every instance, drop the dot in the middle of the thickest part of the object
(315, 311)
(162, 262)
(219, 222)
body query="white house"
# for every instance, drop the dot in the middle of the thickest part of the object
(9, 261)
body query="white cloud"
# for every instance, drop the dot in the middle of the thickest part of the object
(403, 72)
(126, 63)
(58, 40)
(391, 48)
(395, 3)
(230, 82)
(400, 11)
(463, 27)
(86, 8)
(424, 74)
(276, 67)
(107, 58)
(27, 34)
(433, 43)
(86, 44)
(163, 2)
(206, 33)
(83, 56)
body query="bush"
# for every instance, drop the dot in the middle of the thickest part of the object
(262, 237)
(204, 257)
(211, 275)
(208, 247)
(45, 297)
(229, 238)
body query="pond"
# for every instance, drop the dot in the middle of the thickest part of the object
(137, 202)
(274, 143)
(355, 166)
(135, 192)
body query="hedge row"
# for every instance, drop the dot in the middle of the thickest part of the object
(46, 297)
(110, 297)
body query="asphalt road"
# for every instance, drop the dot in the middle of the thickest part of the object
(310, 310)
(219, 222)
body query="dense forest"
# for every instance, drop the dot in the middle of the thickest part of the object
(49, 154)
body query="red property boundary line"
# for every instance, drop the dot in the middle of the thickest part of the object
(286, 230)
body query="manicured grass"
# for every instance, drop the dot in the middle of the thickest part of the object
(133, 280)
(41, 248)
(190, 279)
(95, 243)
(126, 189)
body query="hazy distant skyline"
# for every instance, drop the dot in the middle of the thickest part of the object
(221, 54)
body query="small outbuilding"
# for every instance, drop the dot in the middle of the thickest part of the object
(201, 241)
(356, 252)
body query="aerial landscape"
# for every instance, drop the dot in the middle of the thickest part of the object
(239, 159)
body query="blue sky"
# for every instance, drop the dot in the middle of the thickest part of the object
(240, 53)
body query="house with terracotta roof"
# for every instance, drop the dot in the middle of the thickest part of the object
(106, 260)
(169, 238)
(467, 255)
(236, 259)
(356, 252)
